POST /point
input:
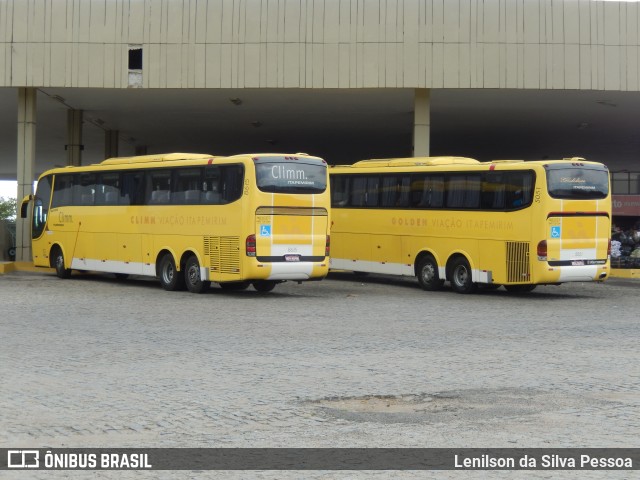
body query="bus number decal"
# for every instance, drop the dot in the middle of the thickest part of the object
(265, 230)
(537, 195)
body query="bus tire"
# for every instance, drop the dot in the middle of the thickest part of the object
(58, 263)
(12, 253)
(192, 277)
(264, 285)
(170, 278)
(461, 277)
(519, 288)
(427, 274)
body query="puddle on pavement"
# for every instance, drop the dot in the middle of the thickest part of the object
(468, 405)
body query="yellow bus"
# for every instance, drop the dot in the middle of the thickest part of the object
(512, 223)
(187, 219)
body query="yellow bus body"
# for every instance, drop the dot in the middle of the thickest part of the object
(500, 245)
(248, 239)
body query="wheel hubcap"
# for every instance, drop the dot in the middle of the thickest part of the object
(461, 276)
(194, 275)
(168, 273)
(428, 273)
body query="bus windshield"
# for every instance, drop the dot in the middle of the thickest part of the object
(578, 183)
(283, 176)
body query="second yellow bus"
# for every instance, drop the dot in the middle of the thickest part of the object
(512, 223)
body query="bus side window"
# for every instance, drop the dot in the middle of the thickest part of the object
(232, 178)
(132, 191)
(463, 191)
(519, 186)
(428, 191)
(187, 186)
(85, 190)
(108, 189)
(158, 187)
(63, 191)
(358, 191)
(211, 186)
(339, 190)
(404, 190)
(372, 192)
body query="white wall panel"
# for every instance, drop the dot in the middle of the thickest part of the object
(322, 43)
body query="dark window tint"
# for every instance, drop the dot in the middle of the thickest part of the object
(85, 191)
(63, 191)
(291, 177)
(187, 186)
(133, 190)
(158, 187)
(340, 190)
(108, 191)
(463, 191)
(395, 191)
(487, 190)
(41, 206)
(578, 183)
(222, 184)
(427, 191)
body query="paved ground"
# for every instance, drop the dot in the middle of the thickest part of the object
(346, 362)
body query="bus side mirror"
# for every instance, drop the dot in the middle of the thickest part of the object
(25, 205)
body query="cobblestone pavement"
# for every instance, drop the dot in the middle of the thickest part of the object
(346, 362)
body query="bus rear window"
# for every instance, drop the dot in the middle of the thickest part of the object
(291, 177)
(577, 183)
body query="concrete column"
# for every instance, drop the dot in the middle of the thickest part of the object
(111, 143)
(74, 145)
(421, 122)
(26, 158)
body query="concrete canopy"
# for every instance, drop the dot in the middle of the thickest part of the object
(341, 125)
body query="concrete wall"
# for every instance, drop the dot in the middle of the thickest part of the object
(533, 44)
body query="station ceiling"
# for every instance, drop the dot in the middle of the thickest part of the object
(342, 126)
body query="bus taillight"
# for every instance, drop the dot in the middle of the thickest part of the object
(542, 250)
(250, 245)
(327, 246)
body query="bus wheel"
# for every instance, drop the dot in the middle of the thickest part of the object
(519, 288)
(170, 279)
(264, 285)
(58, 263)
(192, 278)
(461, 279)
(234, 285)
(427, 273)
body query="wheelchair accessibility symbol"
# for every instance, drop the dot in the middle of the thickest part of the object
(555, 232)
(265, 230)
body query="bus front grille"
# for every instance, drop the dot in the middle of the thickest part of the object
(223, 253)
(518, 262)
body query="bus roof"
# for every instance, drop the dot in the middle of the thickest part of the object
(461, 162)
(415, 162)
(160, 157)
